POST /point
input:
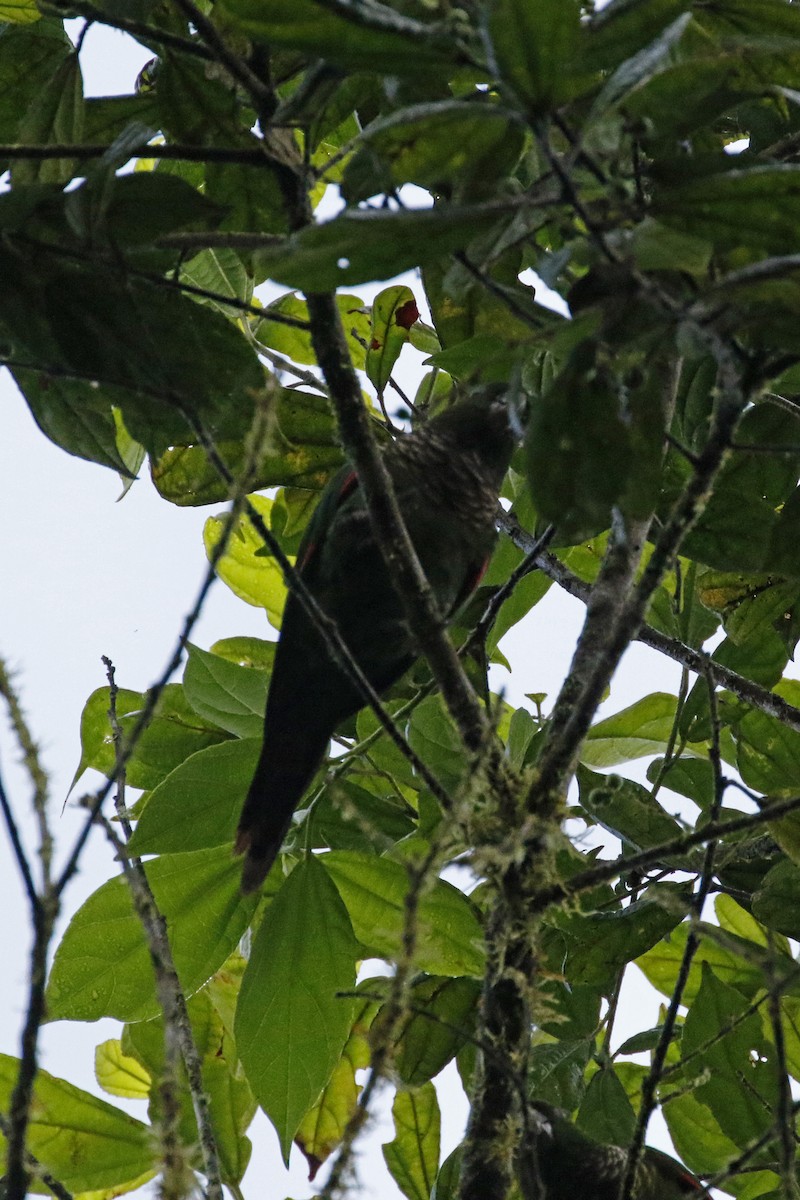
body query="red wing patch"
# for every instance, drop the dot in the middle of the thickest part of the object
(470, 583)
(308, 554)
(349, 484)
(477, 575)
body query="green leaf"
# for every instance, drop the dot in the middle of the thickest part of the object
(449, 936)
(640, 68)
(767, 751)
(362, 245)
(65, 413)
(108, 117)
(600, 944)
(86, 1143)
(556, 1071)
(334, 35)
(296, 343)
(118, 1073)
(657, 248)
(378, 816)
(434, 736)
(102, 966)
(413, 1156)
(521, 732)
(224, 693)
(384, 754)
(232, 1104)
(620, 29)
(394, 311)
(102, 331)
(449, 145)
(133, 210)
(527, 593)
(197, 107)
(290, 1024)
(323, 1126)
(442, 1016)
(626, 809)
(233, 1107)
(246, 652)
(175, 732)
(198, 805)
(30, 55)
(690, 777)
(220, 271)
(449, 1177)
(750, 604)
(729, 1044)
(130, 451)
(303, 451)
(697, 1137)
(252, 576)
(758, 208)
(55, 117)
(578, 450)
(777, 902)
(660, 965)
(761, 658)
(535, 47)
(606, 1113)
(642, 729)
(21, 11)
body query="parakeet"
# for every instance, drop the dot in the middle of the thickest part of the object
(573, 1166)
(447, 476)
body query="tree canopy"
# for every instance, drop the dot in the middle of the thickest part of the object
(641, 161)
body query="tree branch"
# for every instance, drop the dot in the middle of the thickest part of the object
(137, 29)
(44, 912)
(177, 1026)
(81, 151)
(696, 660)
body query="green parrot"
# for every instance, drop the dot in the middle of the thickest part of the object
(447, 476)
(573, 1166)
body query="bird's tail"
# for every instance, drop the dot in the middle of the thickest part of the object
(285, 769)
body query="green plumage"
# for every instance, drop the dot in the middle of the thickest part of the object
(447, 476)
(572, 1166)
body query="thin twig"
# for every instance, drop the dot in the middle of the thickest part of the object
(218, 47)
(584, 881)
(172, 1173)
(33, 765)
(529, 563)
(695, 660)
(44, 912)
(81, 151)
(19, 850)
(137, 29)
(177, 1026)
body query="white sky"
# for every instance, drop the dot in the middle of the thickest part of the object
(84, 576)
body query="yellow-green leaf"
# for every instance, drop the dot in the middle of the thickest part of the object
(20, 12)
(253, 577)
(118, 1073)
(322, 1127)
(413, 1156)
